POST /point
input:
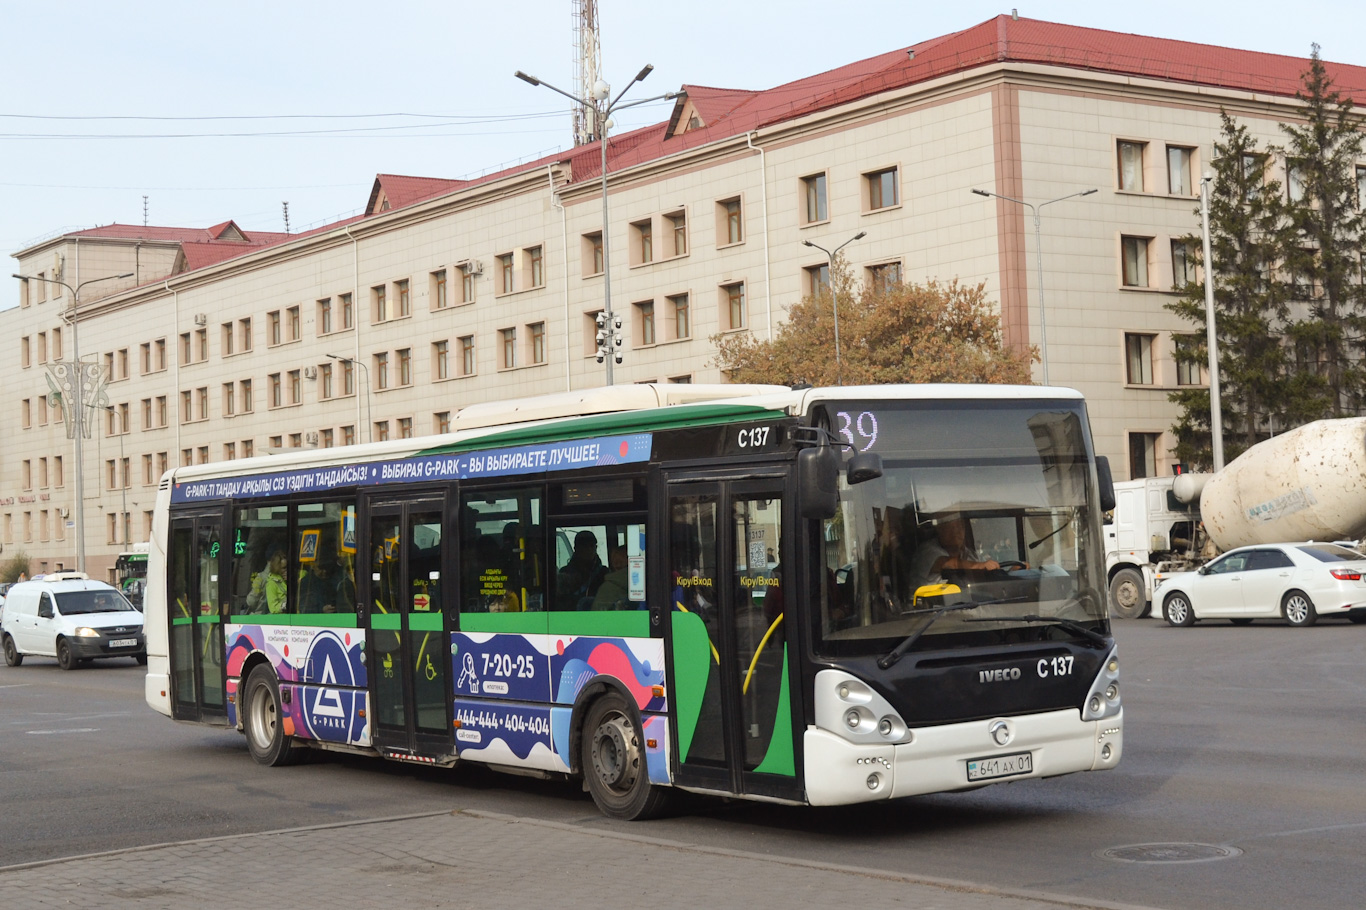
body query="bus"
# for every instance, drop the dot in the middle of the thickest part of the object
(811, 596)
(130, 573)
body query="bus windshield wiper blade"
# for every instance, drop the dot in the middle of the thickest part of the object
(1067, 624)
(895, 654)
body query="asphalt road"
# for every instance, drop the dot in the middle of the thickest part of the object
(1240, 743)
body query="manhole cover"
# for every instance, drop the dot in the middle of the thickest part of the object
(1169, 853)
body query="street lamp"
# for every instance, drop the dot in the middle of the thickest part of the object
(1038, 254)
(123, 481)
(77, 412)
(609, 328)
(834, 295)
(369, 415)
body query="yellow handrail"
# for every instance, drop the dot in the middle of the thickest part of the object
(759, 650)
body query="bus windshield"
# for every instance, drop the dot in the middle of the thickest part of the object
(980, 502)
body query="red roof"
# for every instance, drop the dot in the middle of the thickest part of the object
(399, 190)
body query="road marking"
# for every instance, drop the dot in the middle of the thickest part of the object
(73, 730)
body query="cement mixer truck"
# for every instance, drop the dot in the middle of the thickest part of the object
(1306, 484)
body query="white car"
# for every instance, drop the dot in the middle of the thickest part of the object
(72, 618)
(1297, 582)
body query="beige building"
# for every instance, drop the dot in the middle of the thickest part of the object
(226, 343)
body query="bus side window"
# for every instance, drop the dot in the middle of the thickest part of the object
(259, 531)
(501, 551)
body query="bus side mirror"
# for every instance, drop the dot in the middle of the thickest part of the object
(1107, 484)
(862, 468)
(818, 472)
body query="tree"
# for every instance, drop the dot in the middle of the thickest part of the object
(1324, 262)
(1249, 233)
(12, 568)
(895, 332)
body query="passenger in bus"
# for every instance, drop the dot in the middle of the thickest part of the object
(949, 549)
(614, 592)
(319, 589)
(268, 588)
(579, 578)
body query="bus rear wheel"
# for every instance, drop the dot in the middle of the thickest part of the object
(614, 764)
(263, 721)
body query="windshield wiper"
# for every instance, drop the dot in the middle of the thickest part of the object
(1067, 624)
(895, 654)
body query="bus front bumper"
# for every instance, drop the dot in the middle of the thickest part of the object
(960, 756)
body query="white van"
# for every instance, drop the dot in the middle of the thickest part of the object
(71, 618)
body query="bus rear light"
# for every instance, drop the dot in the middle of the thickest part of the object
(1346, 574)
(657, 691)
(652, 744)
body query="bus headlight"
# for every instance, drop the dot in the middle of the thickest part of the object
(1104, 700)
(850, 708)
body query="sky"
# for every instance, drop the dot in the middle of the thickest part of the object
(217, 111)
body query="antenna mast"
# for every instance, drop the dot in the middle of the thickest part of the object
(587, 68)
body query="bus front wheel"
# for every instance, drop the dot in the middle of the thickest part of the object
(263, 721)
(613, 762)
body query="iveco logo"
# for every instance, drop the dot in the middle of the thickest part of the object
(990, 676)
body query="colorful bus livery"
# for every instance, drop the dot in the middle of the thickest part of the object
(811, 596)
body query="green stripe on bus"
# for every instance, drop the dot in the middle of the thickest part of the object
(673, 418)
(692, 668)
(780, 759)
(514, 623)
(308, 620)
(391, 622)
(425, 622)
(182, 621)
(606, 623)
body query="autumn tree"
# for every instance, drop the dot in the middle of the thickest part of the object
(888, 333)
(1324, 262)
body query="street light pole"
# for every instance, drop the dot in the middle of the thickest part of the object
(78, 412)
(123, 481)
(834, 295)
(1216, 416)
(369, 414)
(609, 327)
(1036, 211)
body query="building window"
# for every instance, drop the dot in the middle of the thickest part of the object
(1138, 357)
(682, 316)
(244, 331)
(467, 283)
(348, 435)
(186, 406)
(1142, 455)
(184, 352)
(248, 403)
(296, 440)
(296, 387)
(26, 412)
(505, 276)
(144, 356)
(381, 431)
(678, 231)
(147, 477)
(229, 400)
(1294, 180)
(25, 353)
(734, 297)
(813, 191)
(57, 344)
(227, 331)
(441, 422)
(273, 328)
(325, 389)
(439, 300)
(883, 190)
(348, 312)
(1179, 170)
(885, 276)
(441, 360)
(730, 225)
(1361, 188)
(467, 355)
(405, 366)
(537, 331)
(328, 438)
(645, 319)
(348, 375)
(325, 316)
(643, 241)
(160, 348)
(592, 253)
(1185, 349)
(405, 428)
(1183, 264)
(509, 339)
(229, 451)
(382, 371)
(277, 442)
(535, 266)
(275, 390)
(817, 279)
(1131, 165)
(405, 299)
(1135, 253)
(162, 416)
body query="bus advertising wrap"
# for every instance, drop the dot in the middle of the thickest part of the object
(555, 456)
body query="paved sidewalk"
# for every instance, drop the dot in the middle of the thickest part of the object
(477, 860)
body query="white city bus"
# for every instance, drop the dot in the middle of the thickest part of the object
(745, 596)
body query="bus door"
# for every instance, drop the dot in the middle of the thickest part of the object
(408, 644)
(196, 612)
(727, 539)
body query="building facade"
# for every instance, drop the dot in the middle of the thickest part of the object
(226, 343)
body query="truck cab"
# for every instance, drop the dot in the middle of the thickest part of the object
(1150, 527)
